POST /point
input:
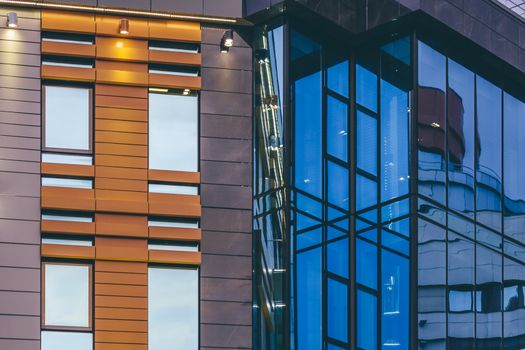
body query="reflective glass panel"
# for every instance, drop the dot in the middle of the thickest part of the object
(52, 340)
(366, 321)
(338, 179)
(173, 132)
(337, 78)
(366, 143)
(337, 310)
(338, 257)
(366, 263)
(173, 309)
(337, 128)
(366, 93)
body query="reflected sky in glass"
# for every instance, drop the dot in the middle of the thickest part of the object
(66, 341)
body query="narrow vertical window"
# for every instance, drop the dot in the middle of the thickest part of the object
(67, 118)
(173, 308)
(173, 132)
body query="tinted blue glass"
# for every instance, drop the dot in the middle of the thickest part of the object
(514, 274)
(366, 143)
(514, 163)
(361, 224)
(400, 226)
(370, 215)
(337, 128)
(395, 210)
(366, 85)
(366, 321)
(394, 303)
(308, 300)
(394, 141)
(337, 78)
(431, 123)
(394, 242)
(400, 49)
(337, 310)
(371, 235)
(309, 205)
(338, 185)
(308, 152)
(309, 238)
(366, 195)
(304, 222)
(366, 263)
(460, 138)
(488, 176)
(334, 347)
(338, 257)
(333, 232)
(335, 214)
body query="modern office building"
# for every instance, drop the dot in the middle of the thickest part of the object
(262, 174)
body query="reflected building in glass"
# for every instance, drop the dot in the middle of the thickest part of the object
(388, 189)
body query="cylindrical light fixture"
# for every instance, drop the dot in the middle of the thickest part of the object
(226, 41)
(124, 26)
(12, 20)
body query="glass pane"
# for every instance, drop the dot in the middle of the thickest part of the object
(338, 179)
(366, 321)
(173, 309)
(366, 263)
(366, 85)
(460, 138)
(66, 340)
(66, 159)
(173, 132)
(488, 178)
(366, 143)
(395, 306)
(64, 182)
(309, 300)
(337, 128)
(67, 117)
(514, 307)
(338, 257)
(514, 162)
(309, 238)
(337, 78)
(173, 189)
(66, 295)
(431, 123)
(337, 310)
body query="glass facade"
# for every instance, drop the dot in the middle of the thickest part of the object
(401, 190)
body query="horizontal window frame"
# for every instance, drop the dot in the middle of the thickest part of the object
(43, 177)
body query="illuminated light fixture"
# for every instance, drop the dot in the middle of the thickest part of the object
(124, 26)
(12, 20)
(186, 92)
(226, 41)
(158, 90)
(435, 125)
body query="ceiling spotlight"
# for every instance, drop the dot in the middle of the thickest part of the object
(124, 26)
(12, 20)
(226, 41)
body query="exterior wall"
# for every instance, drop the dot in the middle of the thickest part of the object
(20, 182)
(226, 132)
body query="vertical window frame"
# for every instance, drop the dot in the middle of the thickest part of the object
(89, 151)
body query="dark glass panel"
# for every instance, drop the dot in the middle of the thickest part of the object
(461, 146)
(309, 205)
(395, 242)
(309, 300)
(304, 222)
(513, 305)
(337, 313)
(488, 165)
(514, 167)
(366, 321)
(366, 195)
(431, 123)
(337, 128)
(366, 85)
(334, 232)
(394, 305)
(338, 178)
(309, 238)
(337, 78)
(366, 263)
(338, 257)
(371, 235)
(366, 148)
(395, 210)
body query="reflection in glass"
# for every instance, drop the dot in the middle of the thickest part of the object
(337, 78)
(337, 310)
(337, 128)
(67, 117)
(173, 132)
(66, 295)
(338, 257)
(366, 263)
(366, 321)
(52, 340)
(173, 308)
(514, 305)
(338, 185)
(366, 85)
(366, 148)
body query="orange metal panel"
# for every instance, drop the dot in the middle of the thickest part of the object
(121, 314)
(171, 257)
(116, 346)
(122, 185)
(184, 58)
(121, 113)
(122, 225)
(68, 73)
(175, 81)
(127, 91)
(68, 49)
(55, 226)
(125, 150)
(123, 326)
(121, 337)
(121, 249)
(67, 251)
(121, 125)
(121, 102)
(127, 302)
(126, 207)
(123, 77)
(121, 173)
(174, 204)
(122, 49)
(173, 233)
(121, 290)
(121, 266)
(68, 21)
(67, 169)
(124, 66)
(125, 162)
(175, 176)
(121, 278)
(67, 198)
(121, 137)
(175, 30)
(106, 25)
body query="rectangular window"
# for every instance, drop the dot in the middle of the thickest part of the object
(173, 246)
(173, 46)
(65, 182)
(173, 189)
(66, 216)
(86, 242)
(179, 223)
(173, 132)
(66, 159)
(173, 323)
(67, 118)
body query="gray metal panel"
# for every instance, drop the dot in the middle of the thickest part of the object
(186, 6)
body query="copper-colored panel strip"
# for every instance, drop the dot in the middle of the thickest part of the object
(173, 233)
(122, 225)
(80, 228)
(121, 113)
(121, 278)
(125, 267)
(121, 184)
(121, 137)
(68, 73)
(182, 58)
(113, 346)
(121, 173)
(175, 81)
(119, 301)
(68, 21)
(127, 91)
(122, 49)
(123, 326)
(121, 337)
(67, 251)
(121, 102)
(172, 257)
(121, 290)
(121, 313)
(67, 198)
(67, 169)
(124, 162)
(121, 125)
(68, 49)
(174, 176)
(125, 207)
(121, 249)
(175, 30)
(121, 77)
(121, 195)
(108, 25)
